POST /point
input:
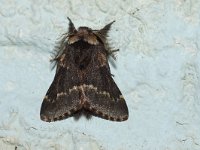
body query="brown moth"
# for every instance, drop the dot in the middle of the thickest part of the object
(83, 80)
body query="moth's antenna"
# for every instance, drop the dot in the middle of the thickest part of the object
(71, 28)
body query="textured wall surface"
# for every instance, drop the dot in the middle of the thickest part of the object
(157, 70)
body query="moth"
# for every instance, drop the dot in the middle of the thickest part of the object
(83, 80)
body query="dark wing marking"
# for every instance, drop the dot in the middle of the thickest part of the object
(62, 98)
(104, 98)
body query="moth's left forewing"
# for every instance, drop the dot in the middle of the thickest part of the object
(62, 98)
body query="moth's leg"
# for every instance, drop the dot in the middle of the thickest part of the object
(112, 53)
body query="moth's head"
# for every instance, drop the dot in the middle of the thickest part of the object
(83, 33)
(86, 34)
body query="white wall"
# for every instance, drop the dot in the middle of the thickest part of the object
(157, 70)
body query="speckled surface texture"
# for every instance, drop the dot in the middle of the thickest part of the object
(157, 70)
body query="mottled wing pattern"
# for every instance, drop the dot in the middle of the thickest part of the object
(83, 80)
(104, 98)
(62, 98)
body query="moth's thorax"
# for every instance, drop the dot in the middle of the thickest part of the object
(82, 54)
(83, 33)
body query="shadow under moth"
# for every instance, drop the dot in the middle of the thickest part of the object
(83, 80)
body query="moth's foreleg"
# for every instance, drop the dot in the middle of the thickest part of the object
(112, 53)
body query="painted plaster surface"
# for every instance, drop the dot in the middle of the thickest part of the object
(157, 70)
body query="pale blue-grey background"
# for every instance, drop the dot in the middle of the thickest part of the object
(157, 70)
